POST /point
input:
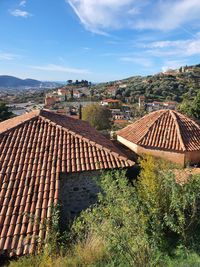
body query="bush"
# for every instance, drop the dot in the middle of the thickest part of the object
(118, 221)
(156, 222)
(171, 209)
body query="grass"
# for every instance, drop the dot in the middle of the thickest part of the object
(90, 252)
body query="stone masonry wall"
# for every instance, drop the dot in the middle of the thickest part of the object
(78, 192)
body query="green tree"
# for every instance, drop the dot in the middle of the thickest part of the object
(70, 82)
(98, 116)
(186, 107)
(196, 106)
(4, 112)
(191, 108)
(170, 208)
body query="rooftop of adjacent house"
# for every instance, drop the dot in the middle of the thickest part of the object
(110, 100)
(164, 129)
(34, 149)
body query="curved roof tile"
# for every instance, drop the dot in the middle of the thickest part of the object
(34, 149)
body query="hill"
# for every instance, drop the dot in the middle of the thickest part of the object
(14, 82)
(171, 85)
(10, 81)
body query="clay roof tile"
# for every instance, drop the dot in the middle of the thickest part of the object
(34, 149)
(164, 129)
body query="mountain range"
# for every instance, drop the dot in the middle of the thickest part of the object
(14, 82)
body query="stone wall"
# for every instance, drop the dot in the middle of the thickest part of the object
(78, 192)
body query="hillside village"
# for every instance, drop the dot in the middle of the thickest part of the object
(163, 90)
(53, 157)
(100, 133)
(166, 89)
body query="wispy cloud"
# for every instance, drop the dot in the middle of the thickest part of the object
(181, 48)
(105, 15)
(99, 16)
(86, 48)
(59, 68)
(8, 56)
(22, 3)
(20, 13)
(170, 14)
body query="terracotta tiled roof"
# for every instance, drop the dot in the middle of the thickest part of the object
(34, 149)
(110, 100)
(120, 121)
(164, 129)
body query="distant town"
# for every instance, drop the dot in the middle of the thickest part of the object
(69, 98)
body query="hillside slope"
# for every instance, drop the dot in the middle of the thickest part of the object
(171, 85)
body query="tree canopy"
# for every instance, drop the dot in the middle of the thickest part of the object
(97, 116)
(191, 108)
(5, 113)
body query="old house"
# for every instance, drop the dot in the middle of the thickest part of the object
(166, 134)
(51, 99)
(64, 92)
(111, 90)
(47, 159)
(156, 105)
(170, 105)
(111, 103)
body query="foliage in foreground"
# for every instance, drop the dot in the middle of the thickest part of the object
(153, 223)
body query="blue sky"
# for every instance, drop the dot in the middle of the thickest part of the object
(97, 40)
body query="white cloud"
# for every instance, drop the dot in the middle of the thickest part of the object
(59, 68)
(7, 56)
(101, 16)
(181, 48)
(172, 64)
(171, 14)
(98, 16)
(20, 13)
(22, 3)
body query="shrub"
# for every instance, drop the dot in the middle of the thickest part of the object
(118, 221)
(156, 222)
(171, 209)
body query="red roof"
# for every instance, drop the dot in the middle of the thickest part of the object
(34, 149)
(110, 100)
(120, 121)
(164, 129)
